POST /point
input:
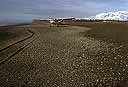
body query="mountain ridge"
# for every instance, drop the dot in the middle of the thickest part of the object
(118, 15)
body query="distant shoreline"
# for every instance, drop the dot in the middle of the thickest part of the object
(1, 25)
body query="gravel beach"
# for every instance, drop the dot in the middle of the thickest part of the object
(61, 57)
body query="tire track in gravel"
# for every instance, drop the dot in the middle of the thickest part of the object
(32, 34)
(61, 58)
(4, 51)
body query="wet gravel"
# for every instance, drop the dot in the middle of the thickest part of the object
(60, 57)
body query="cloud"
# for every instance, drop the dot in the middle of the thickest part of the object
(57, 13)
(58, 8)
(96, 5)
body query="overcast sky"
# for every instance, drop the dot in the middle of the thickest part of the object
(29, 9)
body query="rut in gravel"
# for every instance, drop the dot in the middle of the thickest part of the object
(60, 57)
(11, 50)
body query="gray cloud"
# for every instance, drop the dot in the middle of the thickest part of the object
(29, 9)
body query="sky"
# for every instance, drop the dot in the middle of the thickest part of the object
(31, 9)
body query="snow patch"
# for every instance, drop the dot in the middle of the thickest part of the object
(119, 15)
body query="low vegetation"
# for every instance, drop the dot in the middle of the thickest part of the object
(5, 36)
(115, 32)
(10, 34)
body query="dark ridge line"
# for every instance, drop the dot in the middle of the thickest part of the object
(32, 34)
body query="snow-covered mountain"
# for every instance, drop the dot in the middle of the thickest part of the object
(119, 15)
